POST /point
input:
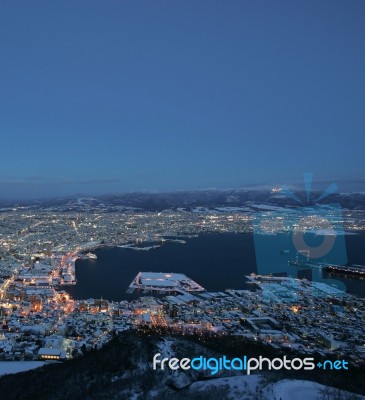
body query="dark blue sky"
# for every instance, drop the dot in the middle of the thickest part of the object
(162, 95)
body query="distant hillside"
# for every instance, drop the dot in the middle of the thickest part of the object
(188, 200)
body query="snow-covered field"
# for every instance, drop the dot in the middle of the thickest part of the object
(13, 367)
(301, 390)
(253, 386)
(297, 390)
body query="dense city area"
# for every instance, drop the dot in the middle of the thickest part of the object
(40, 320)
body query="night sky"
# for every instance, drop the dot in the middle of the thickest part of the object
(112, 96)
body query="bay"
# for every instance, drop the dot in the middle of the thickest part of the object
(215, 261)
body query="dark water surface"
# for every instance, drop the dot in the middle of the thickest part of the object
(216, 261)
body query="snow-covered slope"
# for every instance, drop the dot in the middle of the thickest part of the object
(13, 367)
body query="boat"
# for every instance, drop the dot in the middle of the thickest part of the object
(92, 256)
(355, 269)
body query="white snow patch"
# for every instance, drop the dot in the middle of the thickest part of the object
(165, 348)
(13, 367)
(299, 390)
(232, 209)
(251, 387)
(271, 208)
